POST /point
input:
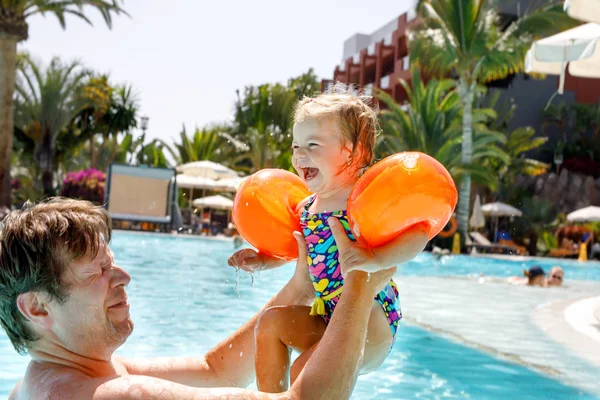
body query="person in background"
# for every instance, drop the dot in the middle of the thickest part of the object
(535, 276)
(555, 277)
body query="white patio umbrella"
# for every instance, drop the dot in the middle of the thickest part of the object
(217, 202)
(477, 218)
(578, 48)
(207, 169)
(583, 10)
(498, 210)
(586, 214)
(229, 184)
(194, 182)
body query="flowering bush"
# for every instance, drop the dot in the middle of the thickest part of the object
(582, 165)
(87, 184)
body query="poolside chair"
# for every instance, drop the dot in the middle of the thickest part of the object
(482, 244)
(142, 194)
(505, 239)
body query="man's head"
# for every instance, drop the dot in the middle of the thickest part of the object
(556, 276)
(58, 280)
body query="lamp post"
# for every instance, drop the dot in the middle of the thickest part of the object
(144, 121)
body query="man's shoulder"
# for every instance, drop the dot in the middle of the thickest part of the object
(15, 394)
(41, 380)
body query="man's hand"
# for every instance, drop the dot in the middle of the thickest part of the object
(352, 256)
(301, 279)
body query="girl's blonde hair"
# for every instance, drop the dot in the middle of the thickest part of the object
(356, 114)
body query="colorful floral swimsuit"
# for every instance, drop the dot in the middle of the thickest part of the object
(325, 269)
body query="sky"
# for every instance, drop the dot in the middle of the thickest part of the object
(187, 59)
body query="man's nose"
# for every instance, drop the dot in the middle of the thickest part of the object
(120, 277)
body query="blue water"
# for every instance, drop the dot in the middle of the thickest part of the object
(463, 265)
(184, 300)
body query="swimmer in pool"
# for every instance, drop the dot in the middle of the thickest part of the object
(333, 140)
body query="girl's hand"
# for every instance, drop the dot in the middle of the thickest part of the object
(353, 256)
(247, 260)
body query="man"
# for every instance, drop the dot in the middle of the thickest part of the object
(555, 277)
(63, 301)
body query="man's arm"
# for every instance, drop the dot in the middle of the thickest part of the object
(342, 345)
(341, 349)
(231, 362)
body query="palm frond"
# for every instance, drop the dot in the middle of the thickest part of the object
(74, 7)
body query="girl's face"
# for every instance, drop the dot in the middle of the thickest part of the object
(320, 156)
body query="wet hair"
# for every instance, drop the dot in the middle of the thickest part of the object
(37, 244)
(534, 272)
(355, 114)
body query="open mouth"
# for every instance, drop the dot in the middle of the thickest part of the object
(310, 173)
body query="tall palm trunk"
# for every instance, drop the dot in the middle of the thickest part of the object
(466, 91)
(92, 158)
(44, 155)
(8, 69)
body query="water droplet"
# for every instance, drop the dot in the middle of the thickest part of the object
(230, 345)
(246, 204)
(241, 353)
(237, 282)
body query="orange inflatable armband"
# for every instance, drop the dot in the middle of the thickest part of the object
(398, 192)
(264, 211)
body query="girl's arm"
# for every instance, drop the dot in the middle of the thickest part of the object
(404, 248)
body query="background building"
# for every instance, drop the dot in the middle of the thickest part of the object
(380, 59)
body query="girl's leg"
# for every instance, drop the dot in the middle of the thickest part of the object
(379, 340)
(278, 331)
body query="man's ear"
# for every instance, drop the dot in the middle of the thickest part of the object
(34, 307)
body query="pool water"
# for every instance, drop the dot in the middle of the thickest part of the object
(463, 265)
(184, 299)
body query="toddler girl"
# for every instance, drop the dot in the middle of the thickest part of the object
(333, 140)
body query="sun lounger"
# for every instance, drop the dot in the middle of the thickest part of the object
(141, 194)
(483, 245)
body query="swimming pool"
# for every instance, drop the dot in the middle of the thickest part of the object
(184, 300)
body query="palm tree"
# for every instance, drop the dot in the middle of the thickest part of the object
(14, 29)
(45, 103)
(97, 95)
(263, 119)
(516, 145)
(430, 122)
(121, 116)
(468, 38)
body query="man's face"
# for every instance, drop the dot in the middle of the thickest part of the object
(94, 321)
(556, 276)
